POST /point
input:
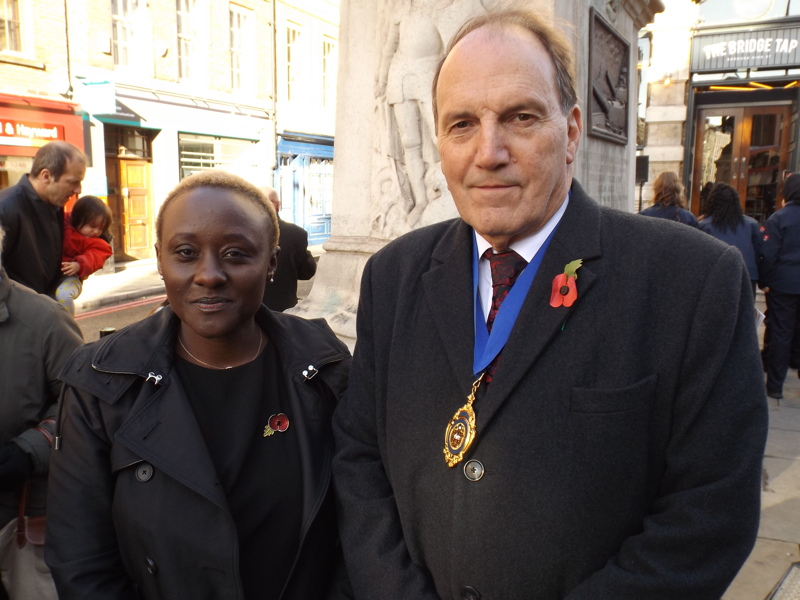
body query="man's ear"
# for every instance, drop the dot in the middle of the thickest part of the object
(46, 176)
(574, 131)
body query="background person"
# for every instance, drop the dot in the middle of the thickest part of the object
(86, 246)
(616, 452)
(32, 213)
(38, 336)
(780, 279)
(294, 261)
(725, 221)
(195, 453)
(669, 201)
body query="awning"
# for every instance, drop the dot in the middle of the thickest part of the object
(311, 145)
(125, 115)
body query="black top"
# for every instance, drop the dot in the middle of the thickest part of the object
(261, 475)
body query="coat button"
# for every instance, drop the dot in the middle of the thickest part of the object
(473, 470)
(144, 472)
(152, 568)
(470, 593)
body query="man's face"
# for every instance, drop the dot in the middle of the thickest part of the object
(505, 143)
(58, 191)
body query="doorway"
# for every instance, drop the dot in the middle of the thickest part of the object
(745, 147)
(128, 171)
(129, 200)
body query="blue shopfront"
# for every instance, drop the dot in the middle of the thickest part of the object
(304, 179)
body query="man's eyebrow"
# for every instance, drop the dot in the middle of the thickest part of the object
(458, 115)
(530, 104)
(526, 105)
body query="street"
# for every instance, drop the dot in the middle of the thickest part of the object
(116, 316)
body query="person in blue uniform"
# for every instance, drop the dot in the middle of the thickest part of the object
(780, 277)
(725, 221)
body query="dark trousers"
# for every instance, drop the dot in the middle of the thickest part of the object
(784, 317)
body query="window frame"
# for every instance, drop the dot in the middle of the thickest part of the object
(294, 40)
(4, 34)
(124, 16)
(187, 37)
(330, 62)
(241, 44)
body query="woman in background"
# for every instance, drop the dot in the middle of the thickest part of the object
(725, 221)
(669, 201)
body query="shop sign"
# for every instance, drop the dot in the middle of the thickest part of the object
(26, 133)
(761, 49)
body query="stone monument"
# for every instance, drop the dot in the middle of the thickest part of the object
(387, 177)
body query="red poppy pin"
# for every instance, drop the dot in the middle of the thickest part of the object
(565, 291)
(279, 422)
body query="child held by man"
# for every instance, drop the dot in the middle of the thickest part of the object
(86, 246)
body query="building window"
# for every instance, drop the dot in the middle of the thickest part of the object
(10, 35)
(201, 152)
(123, 25)
(328, 72)
(128, 142)
(293, 60)
(186, 37)
(242, 47)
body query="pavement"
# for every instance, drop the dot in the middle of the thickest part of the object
(132, 280)
(778, 544)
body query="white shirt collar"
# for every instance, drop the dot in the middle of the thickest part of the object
(528, 246)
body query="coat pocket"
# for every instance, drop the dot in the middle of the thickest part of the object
(594, 400)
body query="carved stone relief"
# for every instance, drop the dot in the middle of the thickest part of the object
(609, 57)
(408, 188)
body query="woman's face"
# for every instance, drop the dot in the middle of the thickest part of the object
(215, 259)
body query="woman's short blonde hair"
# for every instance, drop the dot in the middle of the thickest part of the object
(223, 180)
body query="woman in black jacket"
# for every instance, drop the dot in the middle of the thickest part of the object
(194, 452)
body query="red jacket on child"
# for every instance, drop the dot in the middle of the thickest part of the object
(89, 253)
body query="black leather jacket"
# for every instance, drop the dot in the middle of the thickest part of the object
(115, 533)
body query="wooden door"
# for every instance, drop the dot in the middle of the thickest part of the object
(745, 147)
(117, 207)
(717, 147)
(136, 197)
(763, 155)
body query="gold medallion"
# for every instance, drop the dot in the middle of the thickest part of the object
(461, 430)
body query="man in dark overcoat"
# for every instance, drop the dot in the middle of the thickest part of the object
(294, 261)
(38, 337)
(596, 432)
(32, 214)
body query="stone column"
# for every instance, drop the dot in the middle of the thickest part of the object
(387, 178)
(669, 79)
